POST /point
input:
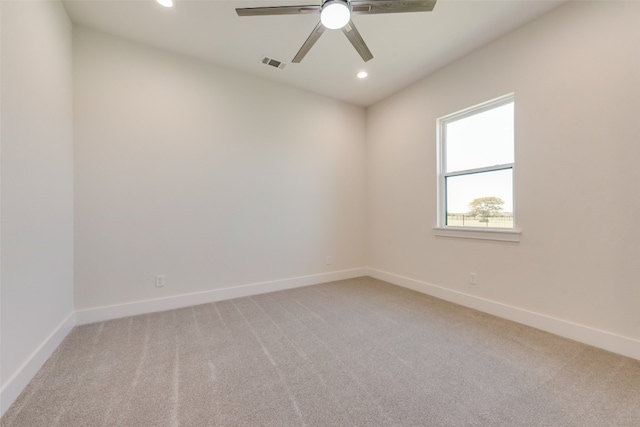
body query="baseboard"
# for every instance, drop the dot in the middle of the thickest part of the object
(100, 314)
(605, 340)
(25, 373)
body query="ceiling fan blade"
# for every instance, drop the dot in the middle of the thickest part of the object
(356, 40)
(370, 7)
(311, 40)
(277, 10)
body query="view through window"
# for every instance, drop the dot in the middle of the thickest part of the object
(476, 166)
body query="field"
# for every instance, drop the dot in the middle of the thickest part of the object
(461, 220)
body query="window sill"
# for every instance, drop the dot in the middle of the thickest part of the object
(502, 235)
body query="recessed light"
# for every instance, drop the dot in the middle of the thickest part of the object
(165, 3)
(362, 74)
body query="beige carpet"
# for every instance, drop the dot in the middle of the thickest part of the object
(352, 353)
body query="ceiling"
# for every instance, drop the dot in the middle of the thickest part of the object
(406, 46)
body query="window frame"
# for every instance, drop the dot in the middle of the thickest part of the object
(511, 234)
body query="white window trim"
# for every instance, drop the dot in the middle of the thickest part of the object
(443, 230)
(499, 234)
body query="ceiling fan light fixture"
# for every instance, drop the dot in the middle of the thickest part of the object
(166, 3)
(335, 14)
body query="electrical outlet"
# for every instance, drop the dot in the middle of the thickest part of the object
(329, 260)
(160, 281)
(473, 279)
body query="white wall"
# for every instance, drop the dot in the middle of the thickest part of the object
(576, 77)
(37, 188)
(210, 177)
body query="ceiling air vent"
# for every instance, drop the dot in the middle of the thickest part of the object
(273, 62)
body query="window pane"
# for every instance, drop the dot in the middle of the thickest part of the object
(483, 188)
(481, 140)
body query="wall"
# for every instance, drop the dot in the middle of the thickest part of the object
(576, 271)
(214, 179)
(37, 189)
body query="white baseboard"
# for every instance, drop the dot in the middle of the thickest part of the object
(605, 340)
(25, 373)
(100, 314)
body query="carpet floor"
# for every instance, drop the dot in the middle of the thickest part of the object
(357, 352)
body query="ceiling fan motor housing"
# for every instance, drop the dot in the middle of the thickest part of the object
(347, 2)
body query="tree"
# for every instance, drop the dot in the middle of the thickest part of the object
(484, 207)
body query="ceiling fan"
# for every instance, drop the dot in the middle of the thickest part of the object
(336, 14)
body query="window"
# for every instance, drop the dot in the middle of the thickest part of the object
(475, 173)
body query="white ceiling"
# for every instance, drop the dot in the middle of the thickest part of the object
(406, 46)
